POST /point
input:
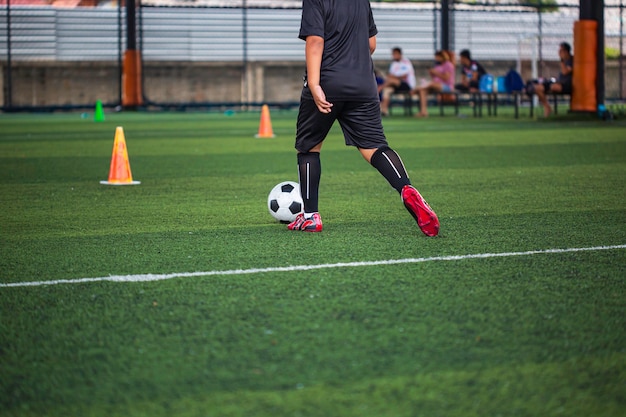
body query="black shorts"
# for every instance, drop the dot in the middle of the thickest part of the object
(566, 87)
(402, 88)
(359, 120)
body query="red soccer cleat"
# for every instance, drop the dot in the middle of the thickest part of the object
(420, 210)
(314, 224)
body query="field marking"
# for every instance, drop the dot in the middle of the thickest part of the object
(161, 277)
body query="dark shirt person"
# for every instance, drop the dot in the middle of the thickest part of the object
(471, 71)
(560, 85)
(340, 86)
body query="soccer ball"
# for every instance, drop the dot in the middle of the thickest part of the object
(284, 201)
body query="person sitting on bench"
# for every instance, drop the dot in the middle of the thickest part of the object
(560, 85)
(442, 81)
(470, 73)
(400, 79)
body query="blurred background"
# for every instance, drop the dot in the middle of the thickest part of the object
(67, 54)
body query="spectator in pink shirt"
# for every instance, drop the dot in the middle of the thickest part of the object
(442, 80)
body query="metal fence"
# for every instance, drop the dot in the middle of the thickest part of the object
(209, 34)
(34, 38)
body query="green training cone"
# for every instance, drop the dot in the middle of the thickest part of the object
(98, 115)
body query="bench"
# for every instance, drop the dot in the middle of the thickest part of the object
(494, 99)
(405, 99)
(491, 100)
(449, 99)
(442, 99)
(554, 97)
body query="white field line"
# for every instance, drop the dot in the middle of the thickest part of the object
(160, 277)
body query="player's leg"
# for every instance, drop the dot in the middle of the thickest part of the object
(362, 128)
(309, 175)
(312, 128)
(390, 165)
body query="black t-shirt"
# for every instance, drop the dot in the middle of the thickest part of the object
(566, 79)
(347, 71)
(474, 67)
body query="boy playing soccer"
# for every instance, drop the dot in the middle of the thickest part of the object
(339, 85)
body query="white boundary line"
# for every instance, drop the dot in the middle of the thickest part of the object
(160, 277)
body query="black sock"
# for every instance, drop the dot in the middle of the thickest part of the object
(309, 172)
(389, 164)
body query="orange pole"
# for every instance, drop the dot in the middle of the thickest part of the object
(131, 79)
(585, 66)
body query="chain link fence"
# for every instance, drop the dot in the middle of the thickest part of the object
(217, 53)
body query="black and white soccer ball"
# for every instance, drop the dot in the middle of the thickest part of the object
(284, 201)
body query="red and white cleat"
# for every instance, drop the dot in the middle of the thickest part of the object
(420, 210)
(313, 224)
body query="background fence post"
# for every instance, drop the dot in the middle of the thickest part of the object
(245, 96)
(8, 99)
(435, 27)
(120, 34)
(131, 97)
(621, 50)
(540, 37)
(445, 24)
(594, 10)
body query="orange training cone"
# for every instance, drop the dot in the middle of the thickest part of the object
(119, 173)
(265, 127)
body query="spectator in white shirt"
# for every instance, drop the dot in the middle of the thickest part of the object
(400, 79)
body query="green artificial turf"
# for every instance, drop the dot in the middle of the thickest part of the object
(542, 334)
